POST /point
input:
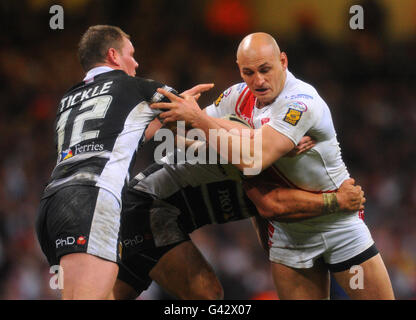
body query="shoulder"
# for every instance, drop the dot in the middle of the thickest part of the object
(299, 101)
(301, 96)
(148, 87)
(145, 81)
(230, 94)
(79, 85)
(297, 89)
(145, 84)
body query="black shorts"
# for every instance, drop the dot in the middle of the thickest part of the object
(79, 219)
(149, 229)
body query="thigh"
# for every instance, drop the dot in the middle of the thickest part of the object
(301, 284)
(134, 268)
(87, 277)
(180, 269)
(43, 234)
(348, 240)
(368, 281)
(184, 272)
(293, 245)
(81, 219)
(149, 229)
(355, 262)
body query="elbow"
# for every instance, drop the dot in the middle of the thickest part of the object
(265, 213)
(252, 163)
(254, 168)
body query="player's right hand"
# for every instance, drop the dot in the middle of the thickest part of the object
(197, 90)
(178, 109)
(350, 197)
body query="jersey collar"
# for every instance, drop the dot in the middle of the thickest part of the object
(95, 72)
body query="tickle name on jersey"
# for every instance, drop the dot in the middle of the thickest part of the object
(80, 96)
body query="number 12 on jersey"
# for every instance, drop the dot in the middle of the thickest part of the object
(99, 109)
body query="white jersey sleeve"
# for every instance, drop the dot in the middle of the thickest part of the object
(227, 101)
(294, 118)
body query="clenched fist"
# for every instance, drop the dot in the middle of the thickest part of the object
(350, 197)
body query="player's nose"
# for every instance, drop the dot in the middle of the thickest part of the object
(258, 80)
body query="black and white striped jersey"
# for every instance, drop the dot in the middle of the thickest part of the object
(99, 127)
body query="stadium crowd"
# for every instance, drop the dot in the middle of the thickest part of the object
(367, 79)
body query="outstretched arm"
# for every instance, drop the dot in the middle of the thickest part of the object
(259, 150)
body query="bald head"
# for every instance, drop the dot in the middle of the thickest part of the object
(258, 44)
(262, 66)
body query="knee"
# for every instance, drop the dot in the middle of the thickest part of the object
(216, 291)
(208, 290)
(123, 291)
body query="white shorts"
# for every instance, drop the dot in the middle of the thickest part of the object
(336, 238)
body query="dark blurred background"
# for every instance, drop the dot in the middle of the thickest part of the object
(366, 76)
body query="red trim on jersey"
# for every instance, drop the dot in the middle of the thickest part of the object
(361, 214)
(247, 106)
(245, 109)
(238, 101)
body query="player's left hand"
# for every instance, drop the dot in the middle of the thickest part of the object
(180, 108)
(350, 197)
(305, 144)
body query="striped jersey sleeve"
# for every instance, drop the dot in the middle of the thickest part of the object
(226, 103)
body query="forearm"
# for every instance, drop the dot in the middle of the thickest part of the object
(152, 128)
(227, 140)
(285, 202)
(291, 204)
(251, 154)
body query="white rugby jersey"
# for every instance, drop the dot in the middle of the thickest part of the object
(296, 112)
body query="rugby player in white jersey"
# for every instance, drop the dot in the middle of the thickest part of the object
(165, 203)
(282, 109)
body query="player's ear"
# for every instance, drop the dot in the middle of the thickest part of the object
(113, 56)
(283, 60)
